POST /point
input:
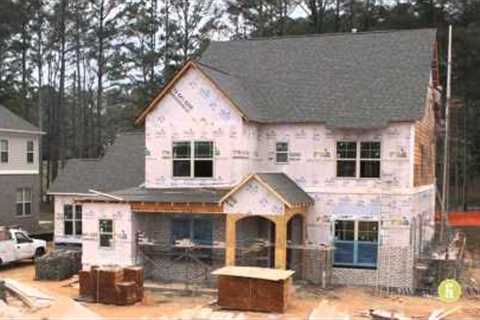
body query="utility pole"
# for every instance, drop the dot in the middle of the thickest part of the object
(444, 220)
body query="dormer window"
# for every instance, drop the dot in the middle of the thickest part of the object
(4, 151)
(192, 159)
(281, 152)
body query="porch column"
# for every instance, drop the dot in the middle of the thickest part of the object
(281, 242)
(230, 239)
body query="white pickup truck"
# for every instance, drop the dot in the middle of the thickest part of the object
(18, 246)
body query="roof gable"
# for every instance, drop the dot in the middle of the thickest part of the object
(277, 184)
(170, 85)
(9, 121)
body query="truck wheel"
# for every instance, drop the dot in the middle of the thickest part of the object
(39, 252)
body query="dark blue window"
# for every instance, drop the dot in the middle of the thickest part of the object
(356, 243)
(199, 230)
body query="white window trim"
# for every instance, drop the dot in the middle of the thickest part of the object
(32, 152)
(23, 202)
(193, 159)
(74, 219)
(106, 233)
(4, 150)
(358, 159)
(282, 152)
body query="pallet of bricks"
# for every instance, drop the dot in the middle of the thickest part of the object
(112, 285)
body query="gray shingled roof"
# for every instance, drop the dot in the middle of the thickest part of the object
(286, 188)
(10, 121)
(361, 80)
(122, 167)
(179, 195)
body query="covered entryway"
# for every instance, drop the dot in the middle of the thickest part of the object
(295, 243)
(257, 213)
(255, 242)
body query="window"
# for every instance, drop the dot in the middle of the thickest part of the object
(30, 152)
(24, 202)
(198, 230)
(72, 220)
(281, 152)
(106, 233)
(193, 159)
(356, 243)
(346, 159)
(22, 238)
(363, 164)
(369, 159)
(4, 151)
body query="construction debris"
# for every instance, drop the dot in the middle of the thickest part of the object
(441, 313)
(387, 315)
(58, 265)
(112, 285)
(3, 291)
(31, 297)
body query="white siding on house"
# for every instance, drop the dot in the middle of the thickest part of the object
(17, 154)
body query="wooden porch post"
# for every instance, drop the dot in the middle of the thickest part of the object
(230, 239)
(281, 242)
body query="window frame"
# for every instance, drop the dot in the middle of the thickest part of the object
(354, 160)
(358, 159)
(73, 220)
(30, 153)
(200, 253)
(192, 159)
(277, 152)
(379, 160)
(355, 243)
(102, 233)
(23, 202)
(4, 150)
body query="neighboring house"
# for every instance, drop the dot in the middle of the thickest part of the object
(19, 172)
(122, 166)
(315, 140)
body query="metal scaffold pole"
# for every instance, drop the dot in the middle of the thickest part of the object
(445, 181)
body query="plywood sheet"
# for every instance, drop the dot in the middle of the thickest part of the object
(254, 273)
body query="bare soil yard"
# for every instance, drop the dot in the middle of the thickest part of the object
(329, 304)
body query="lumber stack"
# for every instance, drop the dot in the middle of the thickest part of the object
(112, 285)
(58, 265)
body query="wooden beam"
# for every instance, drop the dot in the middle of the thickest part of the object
(197, 208)
(230, 239)
(281, 243)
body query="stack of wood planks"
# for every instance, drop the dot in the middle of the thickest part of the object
(112, 285)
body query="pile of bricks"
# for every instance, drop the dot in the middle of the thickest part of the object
(112, 285)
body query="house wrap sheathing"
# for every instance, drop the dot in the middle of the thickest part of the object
(213, 102)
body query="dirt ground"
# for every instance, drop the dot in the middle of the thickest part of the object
(329, 304)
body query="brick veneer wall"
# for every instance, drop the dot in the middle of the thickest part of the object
(424, 152)
(395, 270)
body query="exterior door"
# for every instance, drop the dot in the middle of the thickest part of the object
(24, 246)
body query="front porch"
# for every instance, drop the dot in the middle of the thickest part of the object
(188, 247)
(182, 235)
